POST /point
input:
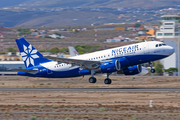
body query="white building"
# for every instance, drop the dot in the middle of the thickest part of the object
(169, 33)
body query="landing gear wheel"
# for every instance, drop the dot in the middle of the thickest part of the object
(107, 81)
(92, 80)
(153, 71)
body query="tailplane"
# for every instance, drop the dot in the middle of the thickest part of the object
(30, 55)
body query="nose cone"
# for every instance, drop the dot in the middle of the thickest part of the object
(170, 50)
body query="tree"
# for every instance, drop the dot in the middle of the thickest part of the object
(11, 50)
(58, 34)
(159, 67)
(54, 50)
(137, 25)
(64, 50)
(172, 70)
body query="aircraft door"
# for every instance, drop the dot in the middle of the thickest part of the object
(146, 48)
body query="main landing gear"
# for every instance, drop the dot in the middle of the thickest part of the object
(93, 79)
(152, 70)
(107, 80)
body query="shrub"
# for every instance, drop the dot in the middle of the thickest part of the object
(101, 109)
(55, 106)
(33, 117)
(67, 119)
(22, 106)
(41, 106)
(41, 83)
(46, 118)
(48, 83)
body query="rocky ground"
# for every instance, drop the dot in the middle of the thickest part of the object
(89, 105)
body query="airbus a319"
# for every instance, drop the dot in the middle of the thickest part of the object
(126, 59)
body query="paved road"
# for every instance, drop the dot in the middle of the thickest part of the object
(90, 89)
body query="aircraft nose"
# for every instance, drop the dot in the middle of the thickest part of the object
(170, 50)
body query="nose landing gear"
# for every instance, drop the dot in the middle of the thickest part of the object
(152, 70)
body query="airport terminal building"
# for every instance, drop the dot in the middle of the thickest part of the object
(5, 65)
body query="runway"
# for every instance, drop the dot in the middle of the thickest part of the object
(91, 89)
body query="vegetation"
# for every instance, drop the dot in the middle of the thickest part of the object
(158, 67)
(85, 49)
(46, 118)
(101, 109)
(22, 106)
(172, 70)
(58, 34)
(137, 25)
(55, 106)
(48, 83)
(33, 117)
(11, 50)
(41, 83)
(134, 117)
(80, 48)
(23, 31)
(67, 119)
(41, 106)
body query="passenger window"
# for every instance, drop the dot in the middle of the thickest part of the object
(156, 45)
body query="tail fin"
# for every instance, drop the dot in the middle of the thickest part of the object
(73, 51)
(30, 55)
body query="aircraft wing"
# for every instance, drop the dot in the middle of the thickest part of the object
(82, 63)
(23, 70)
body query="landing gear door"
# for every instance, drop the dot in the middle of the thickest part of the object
(146, 48)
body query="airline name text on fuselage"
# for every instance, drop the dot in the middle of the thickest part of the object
(123, 49)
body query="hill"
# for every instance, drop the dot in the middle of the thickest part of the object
(5, 3)
(100, 3)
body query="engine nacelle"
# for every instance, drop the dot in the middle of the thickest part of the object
(110, 66)
(133, 70)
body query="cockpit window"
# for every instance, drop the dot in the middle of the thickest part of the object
(156, 45)
(160, 45)
(164, 44)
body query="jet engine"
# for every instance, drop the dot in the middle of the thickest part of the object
(132, 70)
(110, 66)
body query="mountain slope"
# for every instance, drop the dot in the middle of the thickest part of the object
(5, 3)
(101, 3)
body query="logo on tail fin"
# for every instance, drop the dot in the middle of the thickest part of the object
(29, 55)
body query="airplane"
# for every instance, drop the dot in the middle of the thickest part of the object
(72, 51)
(125, 59)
